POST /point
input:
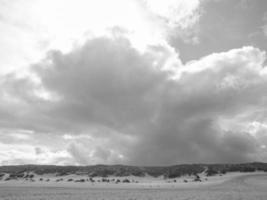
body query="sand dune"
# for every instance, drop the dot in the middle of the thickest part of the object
(231, 186)
(83, 181)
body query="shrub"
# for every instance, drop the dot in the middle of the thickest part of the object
(211, 171)
(126, 181)
(197, 178)
(31, 176)
(81, 180)
(118, 181)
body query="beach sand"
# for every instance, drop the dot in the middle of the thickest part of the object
(230, 186)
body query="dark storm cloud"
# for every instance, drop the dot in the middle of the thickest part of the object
(135, 113)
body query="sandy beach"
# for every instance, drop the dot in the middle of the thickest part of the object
(230, 186)
(82, 181)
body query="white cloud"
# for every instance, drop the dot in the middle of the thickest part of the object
(123, 95)
(118, 105)
(183, 14)
(13, 154)
(29, 30)
(176, 18)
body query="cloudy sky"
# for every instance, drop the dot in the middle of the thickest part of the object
(140, 82)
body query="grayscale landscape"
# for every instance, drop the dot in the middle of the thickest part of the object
(133, 99)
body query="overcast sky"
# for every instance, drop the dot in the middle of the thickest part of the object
(140, 82)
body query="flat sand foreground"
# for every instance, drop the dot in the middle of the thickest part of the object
(234, 186)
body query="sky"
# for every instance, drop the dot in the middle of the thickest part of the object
(134, 82)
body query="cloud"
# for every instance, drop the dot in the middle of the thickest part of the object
(114, 90)
(177, 18)
(177, 13)
(28, 32)
(117, 105)
(14, 154)
(222, 25)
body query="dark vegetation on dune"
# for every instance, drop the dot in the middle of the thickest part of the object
(175, 171)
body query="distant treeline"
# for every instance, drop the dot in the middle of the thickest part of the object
(123, 170)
